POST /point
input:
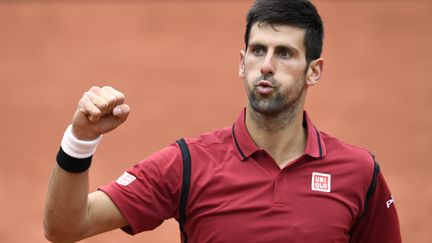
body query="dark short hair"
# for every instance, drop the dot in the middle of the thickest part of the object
(297, 13)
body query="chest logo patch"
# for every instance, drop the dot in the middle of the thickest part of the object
(125, 179)
(321, 182)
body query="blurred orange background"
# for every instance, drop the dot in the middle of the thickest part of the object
(177, 63)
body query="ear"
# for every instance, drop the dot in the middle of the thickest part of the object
(242, 64)
(314, 72)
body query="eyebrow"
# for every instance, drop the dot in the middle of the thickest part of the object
(291, 49)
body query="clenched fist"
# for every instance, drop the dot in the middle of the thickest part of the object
(100, 110)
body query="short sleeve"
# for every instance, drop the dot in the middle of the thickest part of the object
(380, 222)
(148, 193)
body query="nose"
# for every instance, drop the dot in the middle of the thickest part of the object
(267, 66)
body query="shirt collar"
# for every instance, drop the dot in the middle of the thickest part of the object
(245, 146)
(315, 146)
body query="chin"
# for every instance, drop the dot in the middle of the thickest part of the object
(266, 105)
(266, 108)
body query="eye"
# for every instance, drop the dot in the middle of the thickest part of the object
(284, 53)
(258, 50)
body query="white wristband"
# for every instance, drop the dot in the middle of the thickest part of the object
(77, 148)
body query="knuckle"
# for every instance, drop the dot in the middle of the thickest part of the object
(90, 95)
(107, 88)
(86, 95)
(120, 97)
(112, 91)
(95, 112)
(103, 104)
(110, 98)
(95, 88)
(84, 100)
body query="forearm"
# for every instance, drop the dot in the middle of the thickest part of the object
(66, 209)
(71, 213)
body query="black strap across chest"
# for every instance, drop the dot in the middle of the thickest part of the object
(186, 158)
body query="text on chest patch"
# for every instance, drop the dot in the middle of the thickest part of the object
(321, 182)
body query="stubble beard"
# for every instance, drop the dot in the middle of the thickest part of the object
(278, 110)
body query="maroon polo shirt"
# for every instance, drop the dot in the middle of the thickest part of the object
(239, 194)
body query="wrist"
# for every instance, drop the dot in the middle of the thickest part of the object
(75, 155)
(83, 134)
(78, 148)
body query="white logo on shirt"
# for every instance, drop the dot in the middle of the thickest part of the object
(321, 182)
(390, 201)
(125, 179)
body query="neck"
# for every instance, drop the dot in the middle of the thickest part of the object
(282, 135)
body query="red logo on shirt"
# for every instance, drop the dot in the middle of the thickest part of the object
(321, 182)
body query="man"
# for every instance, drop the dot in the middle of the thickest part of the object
(271, 177)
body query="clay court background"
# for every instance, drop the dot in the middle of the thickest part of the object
(176, 61)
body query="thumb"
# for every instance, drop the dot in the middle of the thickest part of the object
(121, 112)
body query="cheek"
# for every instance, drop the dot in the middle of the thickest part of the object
(292, 71)
(252, 63)
(251, 73)
(248, 86)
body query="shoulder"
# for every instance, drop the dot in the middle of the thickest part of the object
(341, 149)
(211, 140)
(210, 150)
(170, 156)
(357, 162)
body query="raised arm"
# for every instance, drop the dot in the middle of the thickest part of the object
(71, 213)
